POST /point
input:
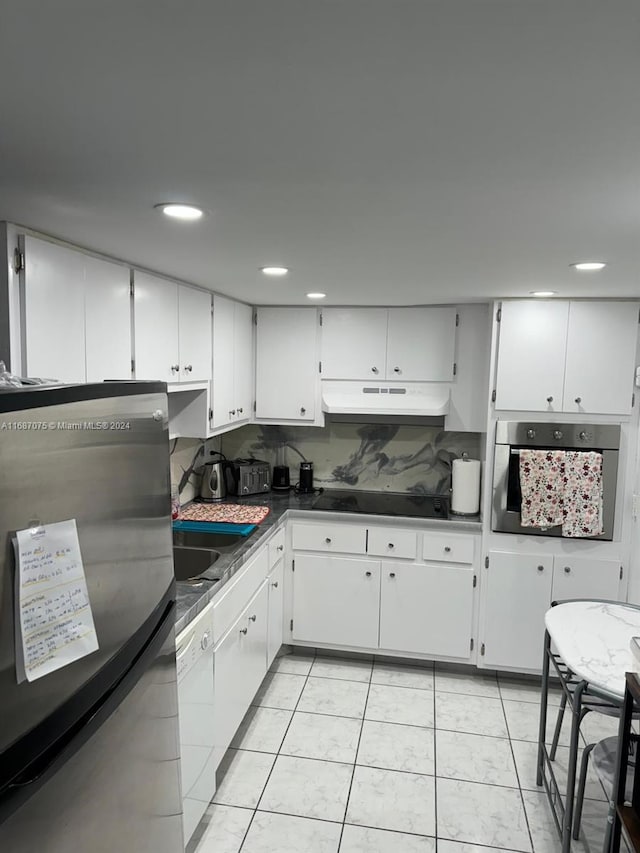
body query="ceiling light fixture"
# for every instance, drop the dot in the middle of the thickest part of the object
(274, 270)
(588, 266)
(316, 295)
(543, 292)
(186, 212)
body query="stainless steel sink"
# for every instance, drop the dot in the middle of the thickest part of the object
(191, 563)
(195, 539)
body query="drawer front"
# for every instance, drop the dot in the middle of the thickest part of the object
(342, 539)
(391, 542)
(235, 596)
(449, 549)
(276, 548)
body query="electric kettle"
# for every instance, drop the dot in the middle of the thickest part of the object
(213, 486)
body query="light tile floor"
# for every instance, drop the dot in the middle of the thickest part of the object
(351, 756)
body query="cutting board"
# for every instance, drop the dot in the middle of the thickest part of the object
(223, 513)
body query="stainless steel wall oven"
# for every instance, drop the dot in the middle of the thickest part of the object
(514, 436)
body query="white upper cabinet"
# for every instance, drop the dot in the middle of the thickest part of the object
(567, 356)
(232, 387)
(77, 315)
(354, 343)
(601, 352)
(287, 369)
(421, 344)
(172, 325)
(408, 344)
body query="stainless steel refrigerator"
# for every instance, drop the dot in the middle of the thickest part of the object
(89, 754)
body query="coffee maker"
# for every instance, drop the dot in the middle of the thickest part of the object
(305, 481)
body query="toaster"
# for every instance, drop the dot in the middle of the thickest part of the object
(247, 477)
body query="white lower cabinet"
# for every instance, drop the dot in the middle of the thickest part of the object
(276, 611)
(427, 609)
(517, 592)
(336, 600)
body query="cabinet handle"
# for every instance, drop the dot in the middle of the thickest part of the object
(188, 368)
(374, 369)
(280, 548)
(541, 568)
(328, 541)
(447, 549)
(392, 574)
(240, 411)
(175, 368)
(396, 370)
(567, 570)
(232, 412)
(390, 545)
(368, 574)
(252, 618)
(549, 399)
(243, 630)
(275, 584)
(578, 400)
(303, 411)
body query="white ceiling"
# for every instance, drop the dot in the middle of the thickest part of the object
(388, 151)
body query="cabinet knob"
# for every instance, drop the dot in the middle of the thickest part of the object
(447, 548)
(280, 548)
(328, 541)
(368, 574)
(275, 584)
(252, 618)
(175, 368)
(390, 545)
(549, 399)
(232, 412)
(374, 369)
(243, 630)
(578, 400)
(396, 370)
(392, 574)
(541, 568)
(188, 368)
(240, 411)
(303, 411)
(567, 570)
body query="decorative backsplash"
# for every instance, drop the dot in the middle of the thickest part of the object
(372, 457)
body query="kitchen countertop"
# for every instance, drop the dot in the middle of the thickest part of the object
(194, 597)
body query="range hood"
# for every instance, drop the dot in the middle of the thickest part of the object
(383, 399)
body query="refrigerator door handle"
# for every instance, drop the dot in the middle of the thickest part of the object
(24, 786)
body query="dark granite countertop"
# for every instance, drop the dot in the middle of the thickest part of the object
(192, 598)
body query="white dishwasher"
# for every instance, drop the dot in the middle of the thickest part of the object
(194, 658)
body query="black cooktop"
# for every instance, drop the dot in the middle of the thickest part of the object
(384, 503)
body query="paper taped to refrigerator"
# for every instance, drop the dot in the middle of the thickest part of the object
(54, 623)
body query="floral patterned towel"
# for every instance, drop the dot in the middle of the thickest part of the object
(542, 487)
(582, 504)
(229, 513)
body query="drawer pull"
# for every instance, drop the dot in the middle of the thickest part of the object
(392, 574)
(390, 545)
(541, 568)
(328, 541)
(447, 548)
(243, 630)
(252, 618)
(567, 570)
(368, 574)
(280, 548)
(275, 584)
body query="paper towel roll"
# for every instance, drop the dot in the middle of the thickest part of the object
(465, 486)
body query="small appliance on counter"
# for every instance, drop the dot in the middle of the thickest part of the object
(465, 486)
(247, 477)
(213, 486)
(281, 479)
(305, 482)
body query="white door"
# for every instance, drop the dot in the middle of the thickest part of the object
(531, 356)
(426, 609)
(54, 311)
(354, 342)
(243, 362)
(287, 363)
(601, 352)
(517, 594)
(421, 344)
(108, 320)
(194, 325)
(579, 577)
(336, 600)
(155, 324)
(222, 390)
(276, 612)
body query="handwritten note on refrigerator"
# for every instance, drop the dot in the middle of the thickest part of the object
(53, 611)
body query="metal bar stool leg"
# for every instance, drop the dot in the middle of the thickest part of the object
(576, 717)
(544, 693)
(582, 783)
(558, 728)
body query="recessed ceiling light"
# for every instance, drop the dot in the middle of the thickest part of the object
(316, 295)
(274, 270)
(589, 266)
(543, 292)
(180, 211)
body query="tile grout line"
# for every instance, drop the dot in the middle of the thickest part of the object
(515, 766)
(435, 762)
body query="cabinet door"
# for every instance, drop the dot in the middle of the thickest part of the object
(257, 622)
(194, 330)
(286, 363)
(354, 343)
(601, 351)
(155, 323)
(576, 577)
(243, 362)
(517, 594)
(222, 390)
(108, 320)
(336, 600)
(276, 612)
(531, 356)
(54, 311)
(426, 609)
(421, 344)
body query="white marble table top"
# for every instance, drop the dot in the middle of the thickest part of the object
(594, 641)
